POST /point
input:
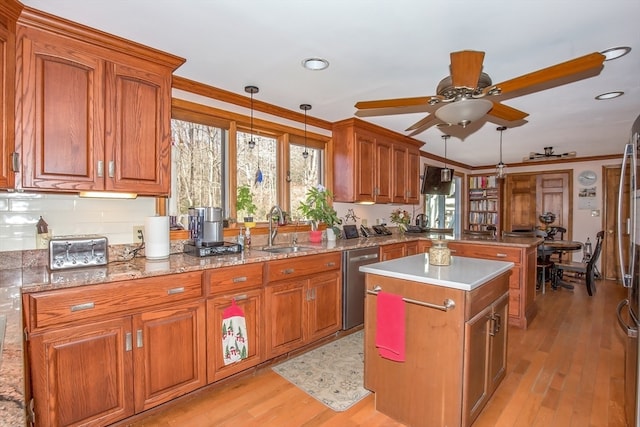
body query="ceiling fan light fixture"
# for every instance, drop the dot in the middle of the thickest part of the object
(465, 111)
(615, 52)
(609, 95)
(315, 64)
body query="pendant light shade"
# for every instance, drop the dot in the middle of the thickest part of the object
(445, 174)
(501, 168)
(305, 107)
(251, 90)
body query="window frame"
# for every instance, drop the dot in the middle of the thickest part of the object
(234, 122)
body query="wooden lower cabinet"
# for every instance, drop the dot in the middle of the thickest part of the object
(105, 371)
(250, 302)
(169, 353)
(454, 360)
(485, 356)
(392, 251)
(83, 374)
(522, 284)
(305, 307)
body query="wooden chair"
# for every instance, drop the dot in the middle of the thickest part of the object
(544, 264)
(529, 233)
(478, 234)
(585, 270)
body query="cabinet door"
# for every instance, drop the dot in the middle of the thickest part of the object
(400, 175)
(7, 88)
(366, 167)
(392, 251)
(413, 179)
(250, 302)
(384, 168)
(285, 323)
(169, 349)
(476, 350)
(498, 350)
(521, 203)
(62, 114)
(84, 374)
(413, 248)
(137, 122)
(324, 305)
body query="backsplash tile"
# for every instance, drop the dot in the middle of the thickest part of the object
(68, 215)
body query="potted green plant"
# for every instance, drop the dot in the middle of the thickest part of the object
(317, 208)
(244, 203)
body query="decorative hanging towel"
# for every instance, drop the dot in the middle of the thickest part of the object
(235, 345)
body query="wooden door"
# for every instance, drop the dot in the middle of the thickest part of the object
(609, 261)
(553, 194)
(520, 206)
(62, 91)
(383, 172)
(169, 349)
(365, 158)
(138, 138)
(84, 374)
(400, 175)
(324, 305)
(286, 305)
(250, 302)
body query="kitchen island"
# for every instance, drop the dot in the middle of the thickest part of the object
(455, 338)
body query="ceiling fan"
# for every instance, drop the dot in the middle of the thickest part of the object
(548, 155)
(468, 94)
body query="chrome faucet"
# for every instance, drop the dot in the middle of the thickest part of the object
(273, 232)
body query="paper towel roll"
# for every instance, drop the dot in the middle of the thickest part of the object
(156, 237)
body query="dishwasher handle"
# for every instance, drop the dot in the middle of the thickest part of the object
(363, 258)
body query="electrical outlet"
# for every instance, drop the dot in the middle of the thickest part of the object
(138, 231)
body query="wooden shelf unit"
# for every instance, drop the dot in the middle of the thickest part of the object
(484, 202)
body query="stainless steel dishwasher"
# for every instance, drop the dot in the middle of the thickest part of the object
(353, 290)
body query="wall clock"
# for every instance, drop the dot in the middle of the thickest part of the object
(587, 178)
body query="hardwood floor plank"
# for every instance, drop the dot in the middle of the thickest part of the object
(566, 369)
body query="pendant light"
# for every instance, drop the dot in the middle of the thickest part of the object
(305, 107)
(251, 90)
(501, 172)
(445, 174)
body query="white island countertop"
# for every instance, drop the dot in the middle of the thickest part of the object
(463, 273)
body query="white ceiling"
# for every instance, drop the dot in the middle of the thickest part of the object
(398, 48)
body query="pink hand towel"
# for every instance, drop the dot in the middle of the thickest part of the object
(390, 326)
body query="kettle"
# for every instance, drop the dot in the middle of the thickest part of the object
(422, 221)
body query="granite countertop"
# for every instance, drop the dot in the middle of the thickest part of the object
(463, 273)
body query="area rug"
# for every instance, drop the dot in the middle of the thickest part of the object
(333, 373)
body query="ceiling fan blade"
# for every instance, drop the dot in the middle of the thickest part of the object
(507, 113)
(411, 109)
(466, 66)
(423, 124)
(393, 103)
(565, 72)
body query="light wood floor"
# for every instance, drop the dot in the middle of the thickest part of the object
(565, 370)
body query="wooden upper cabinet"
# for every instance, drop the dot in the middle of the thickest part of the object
(95, 110)
(406, 178)
(9, 11)
(372, 164)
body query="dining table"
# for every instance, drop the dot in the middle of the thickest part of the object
(560, 247)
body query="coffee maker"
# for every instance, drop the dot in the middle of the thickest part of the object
(205, 226)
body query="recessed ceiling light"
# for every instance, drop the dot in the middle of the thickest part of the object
(615, 52)
(609, 95)
(315, 64)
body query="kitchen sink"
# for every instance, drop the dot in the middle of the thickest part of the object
(285, 249)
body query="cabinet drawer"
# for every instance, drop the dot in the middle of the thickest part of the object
(497, 253)
(302, 266)
(74, 304)
(231, 279)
